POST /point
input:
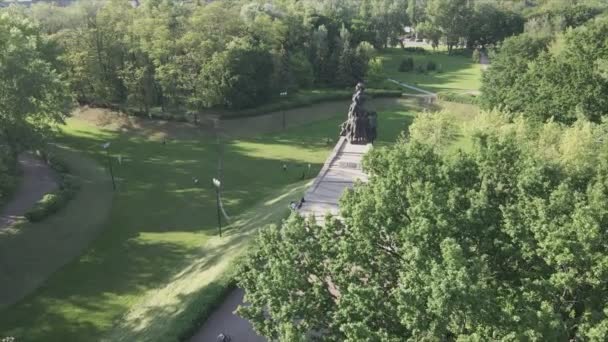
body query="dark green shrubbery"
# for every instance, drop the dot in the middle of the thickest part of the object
(407, 64)
(431, 66)
(54, 201)
(459, 98)
(307, 100)
(8, 172)
(415, 49)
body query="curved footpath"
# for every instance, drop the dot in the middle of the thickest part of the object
(31, 252)
(342, 168)
(37, 180)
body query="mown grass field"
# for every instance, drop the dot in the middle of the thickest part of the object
(158, 252)
(458, 73)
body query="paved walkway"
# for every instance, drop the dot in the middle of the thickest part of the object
(484, 60)
(341, 170)
(38, 179)
(409, 86)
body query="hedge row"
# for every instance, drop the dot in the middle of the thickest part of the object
(9, 174)
(54, 201)
(415, 49)
(459, 98)
(310, 99)
(299, 100)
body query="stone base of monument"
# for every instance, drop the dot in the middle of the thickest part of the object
(340, 171)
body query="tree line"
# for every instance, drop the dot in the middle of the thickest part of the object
(556, 70)
(231, 54)
(464, 22)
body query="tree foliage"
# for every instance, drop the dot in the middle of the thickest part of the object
(162, 52)
(492, 25)
(561, 80)
(501, 243)
(33, 97)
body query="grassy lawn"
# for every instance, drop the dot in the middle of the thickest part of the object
(158, 252)
(300, 99)
(458, 73)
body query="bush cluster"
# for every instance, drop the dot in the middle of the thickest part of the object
(8, 169)
(54, 201)
(407, 64)
(458, 98)
(303, 101)
(415, 49)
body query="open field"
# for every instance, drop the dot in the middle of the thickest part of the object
(161, 224)
(458, 73)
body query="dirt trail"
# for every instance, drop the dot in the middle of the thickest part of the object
(38, 179)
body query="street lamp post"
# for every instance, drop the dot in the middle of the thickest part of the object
(217, 184)
(283, 94)
(106, 147)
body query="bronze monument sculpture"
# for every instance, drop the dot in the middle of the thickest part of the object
(360, 127)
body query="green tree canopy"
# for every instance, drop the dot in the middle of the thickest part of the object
(562, 81)
(32, 95)
(492, 25)
(505, 242)
(451, 17)
(238, 77)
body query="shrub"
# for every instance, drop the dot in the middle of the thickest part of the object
(476, 56)
(437, 129)
(415, 49)
(307, 100)
(407, 64)
(431, 66)
(459, 98)
(420, 69)
(54, 201)
(375, 70)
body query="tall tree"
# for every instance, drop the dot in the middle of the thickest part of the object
(563, 83)
(32, 94)
(236, 78)
(492, 25)
(504, 242)
(452, 17)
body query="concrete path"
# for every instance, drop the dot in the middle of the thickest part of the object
(426, 92)
(223, 320)
(484, 60)
(38, 179)
(342, 168)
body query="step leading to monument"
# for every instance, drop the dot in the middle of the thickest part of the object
(340, 172)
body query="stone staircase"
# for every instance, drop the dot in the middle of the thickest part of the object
(341, 170)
